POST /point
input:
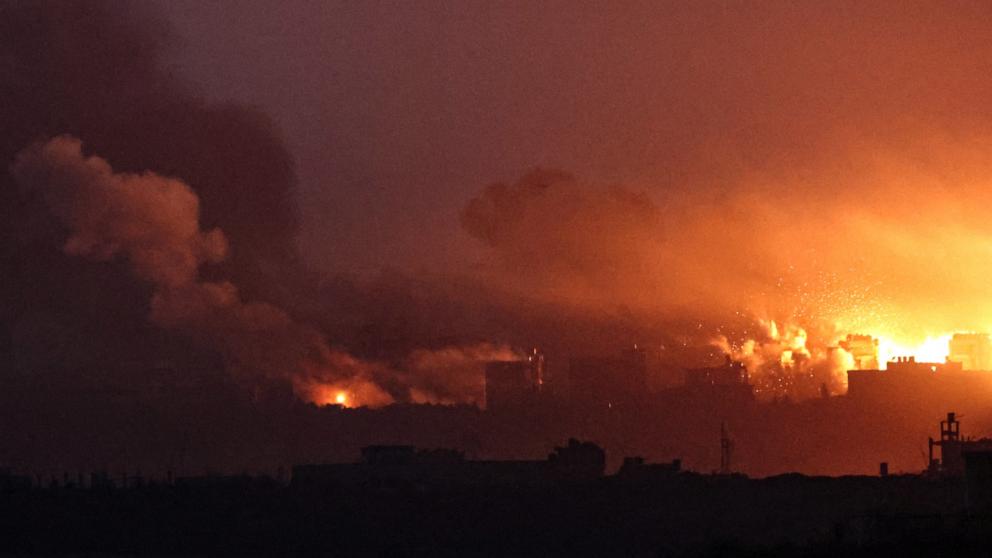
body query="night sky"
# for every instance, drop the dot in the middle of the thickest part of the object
(365, 202)
(397, 113)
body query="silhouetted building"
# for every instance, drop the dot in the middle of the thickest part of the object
(578, 461)
(952, 448)
(538, 369)
(732, 373)
(907, 374)
(726, 450)
(223, 483)
(393, 467)
(635, 469)
(606, 382)
(728, 382)
(388, 455)
(512, 384)
(972, 350)
(863, 349)
(978, 478)
(909, 365)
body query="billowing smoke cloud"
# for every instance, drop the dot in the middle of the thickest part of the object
(894, 257)
(95, 71)
(822, 169)
(567, 241)
(153, 223)
(785, 364)
(152, 220)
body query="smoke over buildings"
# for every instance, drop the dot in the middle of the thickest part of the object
(192, 230)
(774, 166)
(776, 272)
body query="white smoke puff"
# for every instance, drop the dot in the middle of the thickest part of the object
(150, 219)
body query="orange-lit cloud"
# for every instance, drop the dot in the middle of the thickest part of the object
(894, 250)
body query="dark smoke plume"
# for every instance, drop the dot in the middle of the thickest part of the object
(152, 222)
(94, 70)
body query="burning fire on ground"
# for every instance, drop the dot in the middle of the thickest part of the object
(784, 362)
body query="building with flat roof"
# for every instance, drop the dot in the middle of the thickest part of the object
(515, 383)
(863, 349)
(729, 382)
(394, 467)
(607, 382)
(972, 350)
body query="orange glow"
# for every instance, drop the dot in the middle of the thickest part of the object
(784, 360)
(931, 349)
(326, 394)
(350, 393)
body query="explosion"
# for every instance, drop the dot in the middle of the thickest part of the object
(784, 362)
(931, 349)
(153, 223)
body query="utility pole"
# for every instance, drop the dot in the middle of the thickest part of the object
(726, 450)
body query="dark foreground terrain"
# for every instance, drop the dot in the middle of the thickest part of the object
(681, 515)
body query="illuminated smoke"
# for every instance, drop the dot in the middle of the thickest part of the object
(557, 239)
(453, 374)
(152, 220)
(783, 363)
(795, 183)
(783, 270)
(153, 223)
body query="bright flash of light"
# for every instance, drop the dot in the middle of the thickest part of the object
(931, 349)
(326, 394)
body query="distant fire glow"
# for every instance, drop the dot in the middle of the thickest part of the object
(329, 395)
(351, 393)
